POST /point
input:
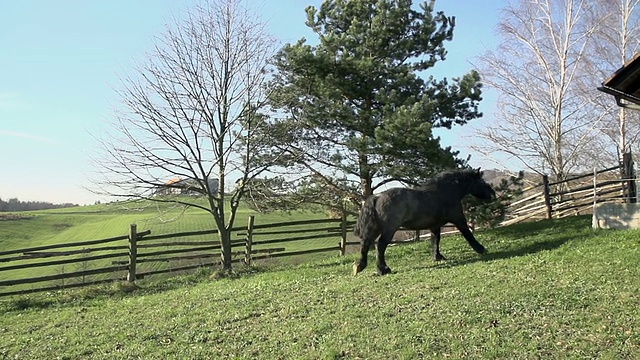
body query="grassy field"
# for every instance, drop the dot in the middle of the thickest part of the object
(57, 226)
(549, 290)
(70, 225)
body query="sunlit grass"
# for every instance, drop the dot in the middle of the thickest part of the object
(552, 290)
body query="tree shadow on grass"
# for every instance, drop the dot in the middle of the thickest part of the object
(70, 297)
(341, 261)
(572, 224)
(118, 289)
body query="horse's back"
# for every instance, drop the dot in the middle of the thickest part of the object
(414, 209)
(398, 206)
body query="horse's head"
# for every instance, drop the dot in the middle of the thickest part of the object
(480, 189)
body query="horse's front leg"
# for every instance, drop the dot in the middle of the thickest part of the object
(468, 235)
(435, 244)
(383, 242)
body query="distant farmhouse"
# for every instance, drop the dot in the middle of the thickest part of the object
(190, 187)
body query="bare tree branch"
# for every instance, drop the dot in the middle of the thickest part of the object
(186, 115)
(543, 118)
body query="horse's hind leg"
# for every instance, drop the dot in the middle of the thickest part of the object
(468, 235)
(383, 242)
(435, 244)
(365, 244)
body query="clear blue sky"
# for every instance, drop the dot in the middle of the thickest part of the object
(60, 62)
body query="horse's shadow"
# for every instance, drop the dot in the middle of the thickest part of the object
(502, 254)
(518, 246)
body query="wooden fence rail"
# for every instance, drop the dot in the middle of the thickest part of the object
(577, 194)
(139, 254)
(588, 175)
(123, 256)
(59, 246)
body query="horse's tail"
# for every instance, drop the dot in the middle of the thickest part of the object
(367, 227)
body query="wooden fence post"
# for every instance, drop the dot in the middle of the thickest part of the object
(594, 215)
(133, 252)
(628, 176)
(249, 241)
(547, 196)
(595, 189)
(343, 232)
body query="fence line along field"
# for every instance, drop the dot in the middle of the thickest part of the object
(59, 255)
(56, 264)
(45, 250)
(574, 196)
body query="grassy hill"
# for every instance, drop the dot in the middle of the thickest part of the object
(554, 289)
(63, 226)
(35, 228)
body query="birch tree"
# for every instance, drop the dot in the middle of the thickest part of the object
(190, 112)
(615, 42)
(536, 69)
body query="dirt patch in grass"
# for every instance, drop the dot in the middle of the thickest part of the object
(11, 216)
(61, 226)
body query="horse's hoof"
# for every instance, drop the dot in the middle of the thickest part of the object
(357, 268)
(384, 271)
(481, 250)
(439, 257)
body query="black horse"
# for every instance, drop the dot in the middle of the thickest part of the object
(429, 206)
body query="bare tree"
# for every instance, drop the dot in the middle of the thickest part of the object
(190, 113)
(537, 69)
(614, 42)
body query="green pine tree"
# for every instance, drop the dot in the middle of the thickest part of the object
(357, 110)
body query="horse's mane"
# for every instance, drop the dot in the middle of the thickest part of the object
(449, 177)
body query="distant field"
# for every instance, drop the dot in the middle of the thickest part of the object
(37, 228)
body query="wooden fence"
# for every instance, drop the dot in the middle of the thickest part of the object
(572, 196)
(140, 254)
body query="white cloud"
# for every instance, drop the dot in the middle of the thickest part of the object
(26, 136)
(10, 100)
